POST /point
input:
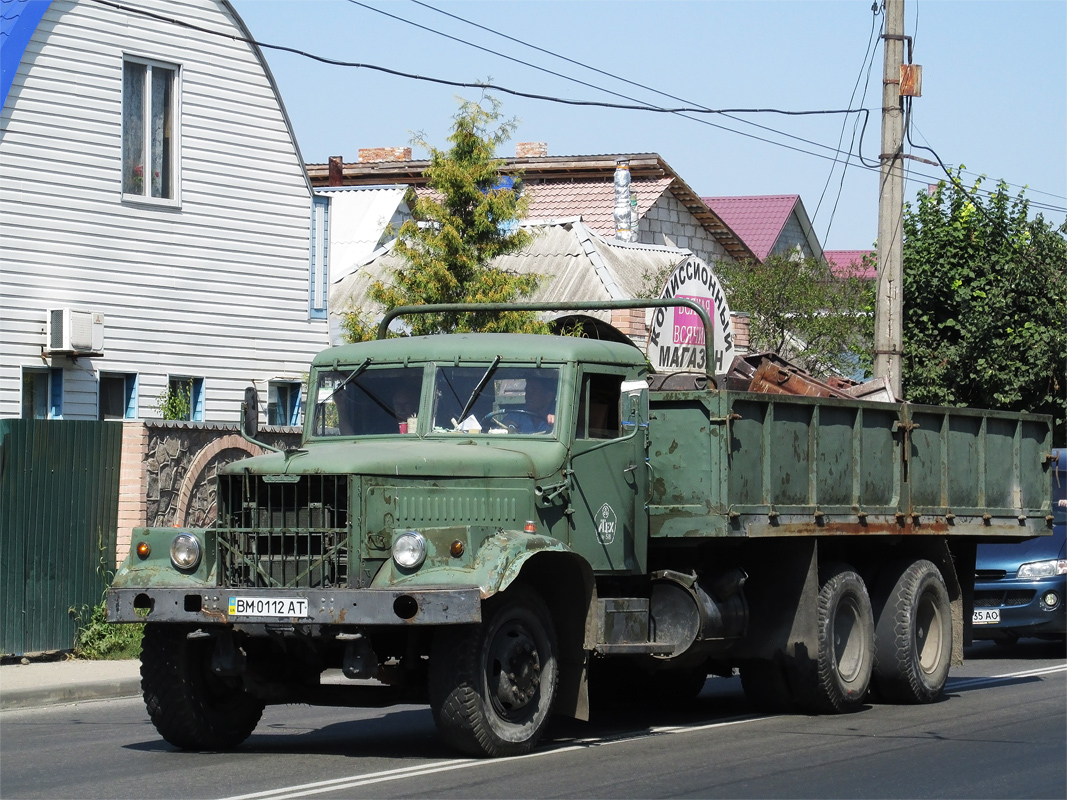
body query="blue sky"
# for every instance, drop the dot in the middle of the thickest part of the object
(994, 87)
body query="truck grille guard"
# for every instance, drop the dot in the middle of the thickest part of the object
(283, 531)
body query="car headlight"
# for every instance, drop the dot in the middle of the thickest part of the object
(409, 550)
(1043, 569)
(185, 551)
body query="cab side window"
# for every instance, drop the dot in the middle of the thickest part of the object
(598, 407)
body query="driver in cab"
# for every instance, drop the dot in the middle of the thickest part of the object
(537, 414)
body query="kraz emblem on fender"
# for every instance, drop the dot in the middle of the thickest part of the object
(606, 524)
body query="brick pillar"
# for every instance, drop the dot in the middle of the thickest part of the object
(133, 479)
(631, 321)
(370, 155)
(337, 171)
(740, 320)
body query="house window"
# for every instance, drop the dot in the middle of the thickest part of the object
(149, 168)
(184, 399)
(319, 273)
(42, 394)
(283, 403)
(118, 396)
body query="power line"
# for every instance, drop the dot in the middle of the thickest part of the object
(868, 62)
(483, 85)
(728, 113)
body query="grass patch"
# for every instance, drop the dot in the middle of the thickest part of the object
(100, 640)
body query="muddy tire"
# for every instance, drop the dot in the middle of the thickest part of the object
(839, 679)
(190, 706)
(493, 685)
(914, 634)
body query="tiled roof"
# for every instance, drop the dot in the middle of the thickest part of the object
(757, 220)
(576, 185)
(841, 260)
(591, 199)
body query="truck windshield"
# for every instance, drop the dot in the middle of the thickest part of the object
(367, 401)
(497, 399)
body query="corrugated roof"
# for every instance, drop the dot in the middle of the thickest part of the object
(841, 260)
(359, 216)
(576, 262)
(757, 220)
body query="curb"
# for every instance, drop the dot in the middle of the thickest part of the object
(38, 697)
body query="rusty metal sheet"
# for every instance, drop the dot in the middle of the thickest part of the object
(773, 378)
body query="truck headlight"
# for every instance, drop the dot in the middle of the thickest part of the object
(1043, 569)
(409, 550)
(184, 551)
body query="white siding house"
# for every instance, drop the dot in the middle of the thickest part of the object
(150, 177)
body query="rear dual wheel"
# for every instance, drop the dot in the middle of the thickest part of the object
(914, 634)
(841, 674)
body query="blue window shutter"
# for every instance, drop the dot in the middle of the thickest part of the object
(131, 396)
(319, 272)
(196, 402)
(55, 395)
(294, 417)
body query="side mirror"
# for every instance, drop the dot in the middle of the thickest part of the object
(250, 413)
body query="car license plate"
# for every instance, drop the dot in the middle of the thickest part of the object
(270, 607)
(986, 616)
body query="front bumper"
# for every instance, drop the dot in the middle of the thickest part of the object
(357, 607)
(1022, 614)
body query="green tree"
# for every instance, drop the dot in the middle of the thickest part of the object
(456, 231)
(803, 311)
(985, 303)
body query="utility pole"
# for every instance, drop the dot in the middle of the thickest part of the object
(888, 311)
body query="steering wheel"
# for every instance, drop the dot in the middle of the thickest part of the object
(499, 418)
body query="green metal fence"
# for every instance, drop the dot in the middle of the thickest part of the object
(59, 485)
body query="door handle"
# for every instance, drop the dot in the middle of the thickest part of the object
(630, 468)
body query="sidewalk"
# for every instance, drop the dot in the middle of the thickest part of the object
(54, 682)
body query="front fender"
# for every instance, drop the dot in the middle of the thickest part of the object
(497, 563)
(156, 569)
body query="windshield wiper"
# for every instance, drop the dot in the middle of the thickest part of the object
(353, 374)
(478, 390)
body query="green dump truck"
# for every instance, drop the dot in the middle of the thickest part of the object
(509, 527)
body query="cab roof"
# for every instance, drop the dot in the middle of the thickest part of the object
(482, 347)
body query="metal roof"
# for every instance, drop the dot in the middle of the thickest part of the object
(576, 263)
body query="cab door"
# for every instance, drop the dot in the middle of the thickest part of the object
(611, 477)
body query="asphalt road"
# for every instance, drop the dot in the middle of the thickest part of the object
(1001, 731)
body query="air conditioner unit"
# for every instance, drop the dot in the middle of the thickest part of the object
(77, 332)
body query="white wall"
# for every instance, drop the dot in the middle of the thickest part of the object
(216, 287)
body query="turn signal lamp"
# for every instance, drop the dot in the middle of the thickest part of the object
(530, 526)
(456, 549)
(144, 549)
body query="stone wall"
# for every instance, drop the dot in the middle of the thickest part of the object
(668, 222)
(168, 472)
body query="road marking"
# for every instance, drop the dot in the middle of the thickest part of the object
(386, 776)
(370, 778)
(969, 683)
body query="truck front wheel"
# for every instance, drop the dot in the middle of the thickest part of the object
(838, 680)
(914, 635)
(492, 686)
(190, 706)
